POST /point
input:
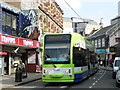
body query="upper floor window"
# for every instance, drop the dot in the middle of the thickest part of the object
(9, 23)
(96, 43)
(93, 42)
(14, 19)
(3, 22)
(8, 20)
(103, 42)
(99, 42)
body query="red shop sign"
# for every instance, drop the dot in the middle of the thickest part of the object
(3, 53)
(19, 41)
(8, 39)
(26, 42)
(29, 43)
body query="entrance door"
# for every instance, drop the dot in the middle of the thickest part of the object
(6, 64)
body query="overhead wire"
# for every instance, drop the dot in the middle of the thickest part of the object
(73, 10)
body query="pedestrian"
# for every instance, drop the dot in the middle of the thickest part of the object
(111, 62)
(104, 62)
(22, 66)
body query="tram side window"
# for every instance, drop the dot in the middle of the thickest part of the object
(92, 59)
(79, 57)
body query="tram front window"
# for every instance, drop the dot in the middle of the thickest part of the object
(57, 49)
(58, 55)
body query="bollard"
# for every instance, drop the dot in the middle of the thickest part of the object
(18, 75)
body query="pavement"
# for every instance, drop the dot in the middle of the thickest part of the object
(7, 81)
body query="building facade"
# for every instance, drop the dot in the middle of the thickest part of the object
(84, 27)
(67, 25)
(15, 45)
(49, 13)
(101, 41)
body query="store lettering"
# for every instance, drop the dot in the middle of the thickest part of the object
(8, 39)
(25, 42)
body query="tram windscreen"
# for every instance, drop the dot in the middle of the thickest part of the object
(57, 49)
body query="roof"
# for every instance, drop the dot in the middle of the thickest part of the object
(9, 7)
(102, 31)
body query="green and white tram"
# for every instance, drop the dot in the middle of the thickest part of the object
(67, 57)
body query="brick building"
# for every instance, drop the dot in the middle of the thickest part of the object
(49, 13)
(50, 17)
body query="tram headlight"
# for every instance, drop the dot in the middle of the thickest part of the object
(68, 71)
(46, 71)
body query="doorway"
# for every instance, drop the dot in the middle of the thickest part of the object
(6, 65)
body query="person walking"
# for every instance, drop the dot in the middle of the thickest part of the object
(22, 66)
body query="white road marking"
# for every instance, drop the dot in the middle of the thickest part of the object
(93, 84)
(90, 87)
(63, 87)
(96, 81)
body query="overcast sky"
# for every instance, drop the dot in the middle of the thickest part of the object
(91, 9)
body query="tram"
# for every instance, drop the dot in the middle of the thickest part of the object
(67, 57)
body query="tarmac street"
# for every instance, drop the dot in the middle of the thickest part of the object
(101, 79)
(8, 81)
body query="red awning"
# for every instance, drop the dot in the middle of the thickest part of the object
(3, 53)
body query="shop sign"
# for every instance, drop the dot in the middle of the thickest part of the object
(3, 53)
(25, 42)
(6, 39)
(101, 51)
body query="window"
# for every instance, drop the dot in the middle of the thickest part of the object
(14, 31)
(9, 22)
(75, 25)
(103, 42)
(93, 42)
(14, 21)
(3, 22)
(79, 57)
(57, 49)
(96, 43)
(99, 42)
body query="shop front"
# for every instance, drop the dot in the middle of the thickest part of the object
(115, 51)
(15, 49)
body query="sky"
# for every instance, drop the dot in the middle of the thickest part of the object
(91, 9)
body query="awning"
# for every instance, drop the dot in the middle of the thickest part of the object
(3, 53)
